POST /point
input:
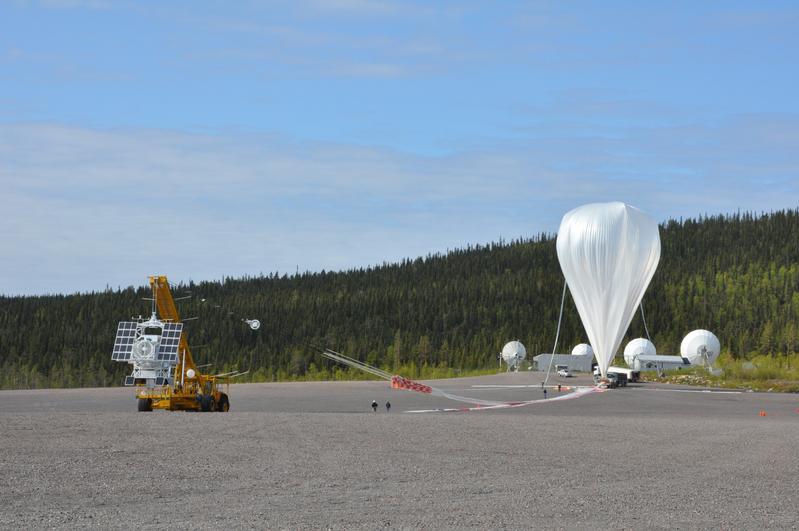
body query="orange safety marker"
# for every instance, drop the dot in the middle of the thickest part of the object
(763, 413)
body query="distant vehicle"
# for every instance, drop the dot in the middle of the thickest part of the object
(563, 370)
(621, 378)
(612, 379)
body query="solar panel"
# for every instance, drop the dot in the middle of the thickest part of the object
(123, 344)
(170, 340)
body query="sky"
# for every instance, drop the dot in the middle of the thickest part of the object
(206, 139)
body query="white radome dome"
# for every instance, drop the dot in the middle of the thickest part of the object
(513, 353)
(583, 349)
(635, 348)
(700, 345)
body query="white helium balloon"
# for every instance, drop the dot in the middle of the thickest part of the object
(608, 253)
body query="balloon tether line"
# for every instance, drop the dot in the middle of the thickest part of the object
(557, 333)
(646, 328)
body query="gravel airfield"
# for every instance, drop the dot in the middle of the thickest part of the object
(313, 455)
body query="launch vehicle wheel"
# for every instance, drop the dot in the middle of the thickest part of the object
(145, 404)
(224, 403)
(207, 403)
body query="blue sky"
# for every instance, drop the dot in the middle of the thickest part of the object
(211, 139)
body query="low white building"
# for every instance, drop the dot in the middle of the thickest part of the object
(661, 363)
(572, 363)
(700, 347)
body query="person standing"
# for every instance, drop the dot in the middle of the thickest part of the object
(374, 406)
(388, 406)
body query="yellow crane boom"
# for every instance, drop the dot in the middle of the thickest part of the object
(169, 312)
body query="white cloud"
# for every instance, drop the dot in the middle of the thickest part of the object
(83, 208)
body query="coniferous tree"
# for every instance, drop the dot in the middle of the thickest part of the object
(737, 276)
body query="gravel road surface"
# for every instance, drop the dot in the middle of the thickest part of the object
(313, 455)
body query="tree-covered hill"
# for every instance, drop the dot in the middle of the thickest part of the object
(736, 275)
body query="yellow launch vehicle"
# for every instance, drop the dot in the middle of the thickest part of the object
(164, 372)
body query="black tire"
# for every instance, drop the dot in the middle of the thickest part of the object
(145, 404)
(224, 404)
(206, 403)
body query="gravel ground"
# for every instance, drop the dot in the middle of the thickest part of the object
(309, 456)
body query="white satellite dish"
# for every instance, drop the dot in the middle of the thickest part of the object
(635, 348)
(700, 347)
(254, 324)
(512, 354)
(583, 349)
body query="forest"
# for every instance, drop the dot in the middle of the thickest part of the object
(736, 275)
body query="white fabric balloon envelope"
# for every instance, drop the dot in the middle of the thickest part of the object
(608, 253)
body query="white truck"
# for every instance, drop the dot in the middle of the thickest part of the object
(563, 370)
(632, 376)
(619, 376)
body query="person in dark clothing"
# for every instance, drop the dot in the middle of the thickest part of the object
(374, 406)
(388, 406)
